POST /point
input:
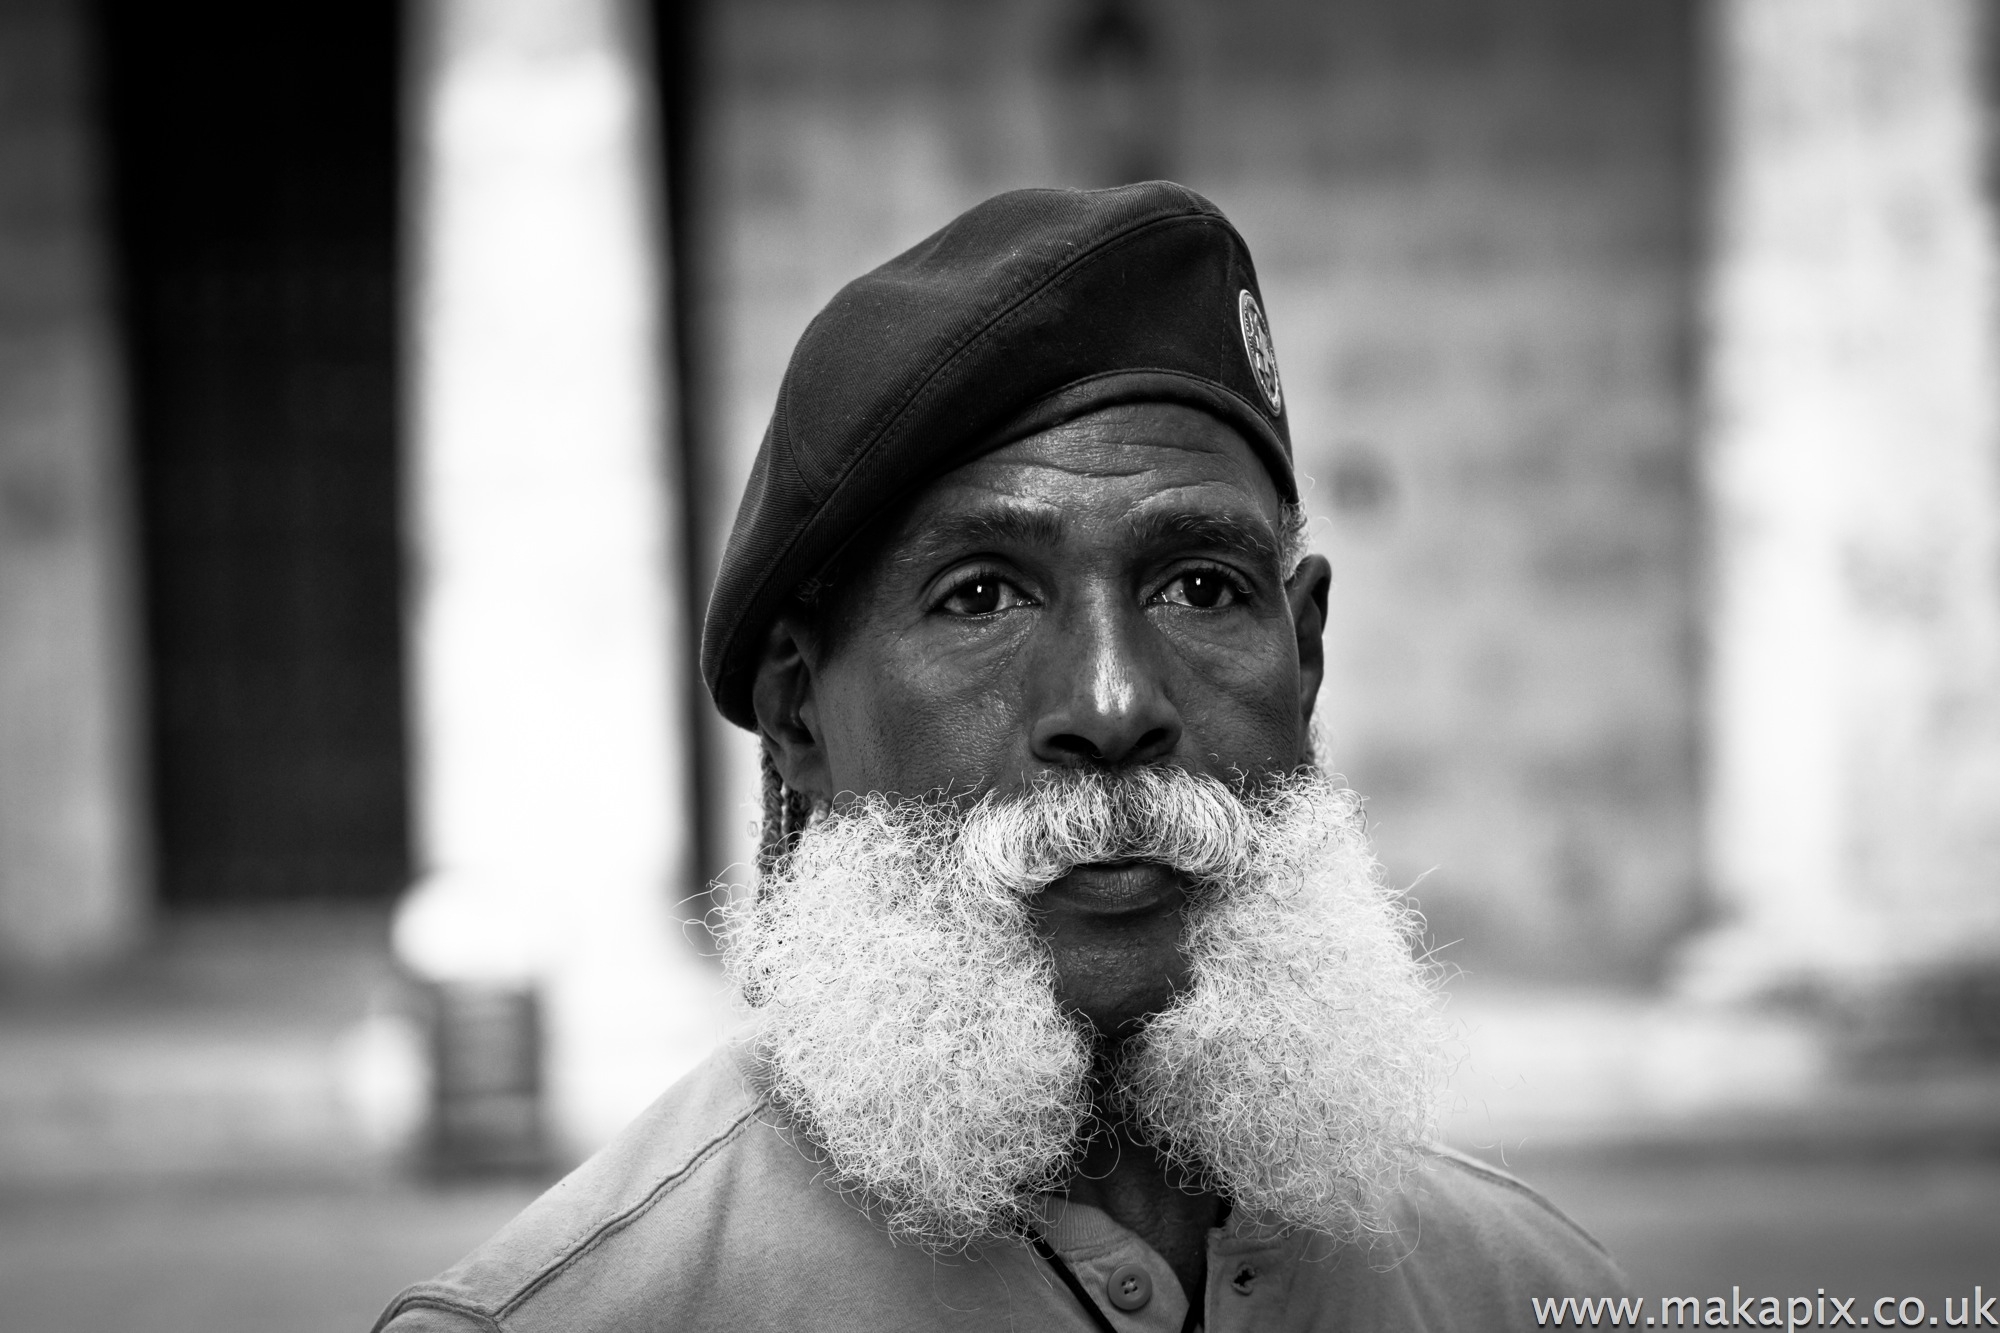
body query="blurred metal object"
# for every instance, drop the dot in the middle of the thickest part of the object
(487, 1114)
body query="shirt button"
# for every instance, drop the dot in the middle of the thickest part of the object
(1130, 1287)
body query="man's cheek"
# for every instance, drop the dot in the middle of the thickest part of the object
(1243, 657)
(913, 737)
(1240, 706)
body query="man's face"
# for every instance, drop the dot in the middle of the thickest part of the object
(1091, 631)
(1105, 594)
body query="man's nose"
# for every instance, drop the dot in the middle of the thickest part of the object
(1101, 698)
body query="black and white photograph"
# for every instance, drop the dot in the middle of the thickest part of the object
(1090, 666)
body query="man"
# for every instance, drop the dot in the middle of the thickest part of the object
(1078, 1001)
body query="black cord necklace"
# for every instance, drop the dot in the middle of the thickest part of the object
(1070, 1280)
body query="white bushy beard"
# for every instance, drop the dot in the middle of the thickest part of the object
(909, 1023)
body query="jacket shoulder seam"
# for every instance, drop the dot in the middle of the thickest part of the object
(424, 1300)
(1493, 1175)
(619, 1221)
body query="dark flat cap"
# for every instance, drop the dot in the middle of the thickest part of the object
(1032, 309)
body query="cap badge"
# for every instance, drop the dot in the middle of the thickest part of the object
(1257, 347)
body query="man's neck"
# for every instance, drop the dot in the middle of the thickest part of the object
(1128, 1181)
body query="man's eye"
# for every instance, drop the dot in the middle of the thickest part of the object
(1203, 589)
(981, 595)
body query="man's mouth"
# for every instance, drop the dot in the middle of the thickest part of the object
(1115, 888)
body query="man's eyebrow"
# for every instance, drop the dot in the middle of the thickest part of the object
(1013, 524)
(1214, 531)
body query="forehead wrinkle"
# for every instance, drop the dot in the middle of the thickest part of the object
(1105, 455)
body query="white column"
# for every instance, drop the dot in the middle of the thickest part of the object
(72, 869)
(552, 806)
(1854, 726)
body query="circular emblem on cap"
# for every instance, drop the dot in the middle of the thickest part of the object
(1257, 347)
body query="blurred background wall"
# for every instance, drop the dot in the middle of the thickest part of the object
(1476, 225)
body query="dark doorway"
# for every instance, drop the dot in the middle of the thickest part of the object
(255, 166)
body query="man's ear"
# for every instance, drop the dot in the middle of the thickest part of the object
(1307, 592)
(787, 713)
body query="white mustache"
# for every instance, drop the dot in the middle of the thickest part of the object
(1188, 822)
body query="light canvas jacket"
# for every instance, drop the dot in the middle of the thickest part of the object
(705, 1214)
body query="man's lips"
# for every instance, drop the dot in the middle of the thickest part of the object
(1114, 888)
